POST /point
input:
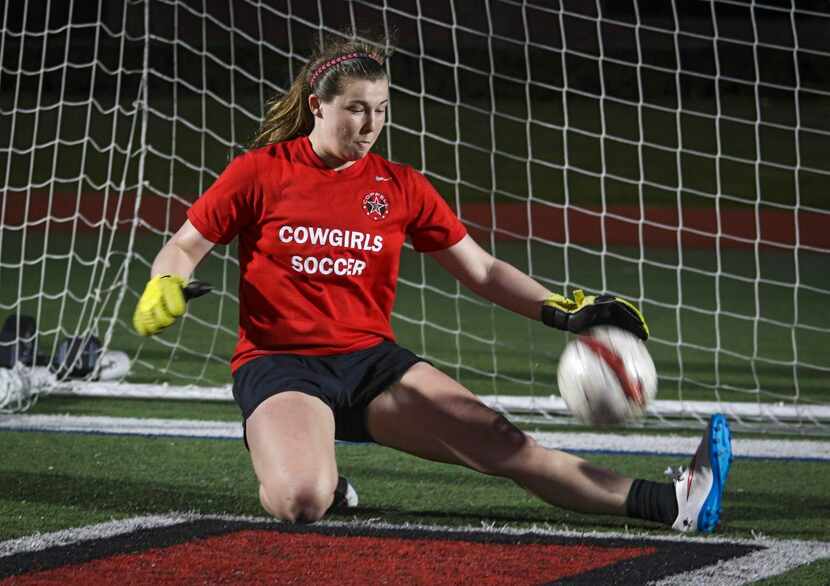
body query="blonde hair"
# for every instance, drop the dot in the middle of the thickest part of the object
(288, 116)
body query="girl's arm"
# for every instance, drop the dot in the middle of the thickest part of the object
(182, 253)
(493, 279)
(505, 285)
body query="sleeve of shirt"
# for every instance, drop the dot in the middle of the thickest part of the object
(434, 226)
(228, 205)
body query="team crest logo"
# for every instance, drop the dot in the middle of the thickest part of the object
(375, 205)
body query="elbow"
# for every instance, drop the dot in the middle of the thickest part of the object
(471, 265)
(481, 275)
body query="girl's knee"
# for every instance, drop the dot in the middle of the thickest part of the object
(512, 454)
(297, 503)
(512, 436)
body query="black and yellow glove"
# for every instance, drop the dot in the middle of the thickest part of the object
(583, 312)
(161, 303)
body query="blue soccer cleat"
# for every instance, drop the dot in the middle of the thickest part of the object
(700, 489)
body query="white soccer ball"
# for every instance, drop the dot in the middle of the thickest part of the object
(606, 376)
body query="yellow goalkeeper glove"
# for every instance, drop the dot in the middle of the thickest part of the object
(583, 312)
(161, 303)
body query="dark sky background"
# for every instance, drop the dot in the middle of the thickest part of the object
(193, 40)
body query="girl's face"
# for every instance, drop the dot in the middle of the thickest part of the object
(346, 127)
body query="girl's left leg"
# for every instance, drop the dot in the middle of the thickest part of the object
(428, 414)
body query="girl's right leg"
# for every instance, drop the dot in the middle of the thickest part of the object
(432, 416)
(291, 439)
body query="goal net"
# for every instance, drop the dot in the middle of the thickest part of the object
(673, 154)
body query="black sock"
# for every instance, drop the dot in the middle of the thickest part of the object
(339, 494)
(653, 501)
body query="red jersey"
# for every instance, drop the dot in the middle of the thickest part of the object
(319, 250)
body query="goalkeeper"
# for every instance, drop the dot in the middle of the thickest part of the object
(320, 222)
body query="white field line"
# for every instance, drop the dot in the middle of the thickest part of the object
(513, 404)
(41, 541)
(775, 557)
(123, 425)
(574, 441)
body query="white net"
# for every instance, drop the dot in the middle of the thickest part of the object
(670, 154)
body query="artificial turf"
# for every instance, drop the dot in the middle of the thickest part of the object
(59, 480)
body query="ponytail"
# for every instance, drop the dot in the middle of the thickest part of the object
(287, 116)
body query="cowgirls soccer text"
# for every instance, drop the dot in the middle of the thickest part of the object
(314, 235)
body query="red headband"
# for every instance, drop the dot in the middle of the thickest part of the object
(323, 67)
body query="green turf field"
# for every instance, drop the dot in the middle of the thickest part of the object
(54, 480)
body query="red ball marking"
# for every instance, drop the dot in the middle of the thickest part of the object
(632, 389)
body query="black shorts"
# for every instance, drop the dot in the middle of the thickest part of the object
(347, 383)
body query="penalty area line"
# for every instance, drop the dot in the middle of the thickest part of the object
(588, 442)
(773, 556)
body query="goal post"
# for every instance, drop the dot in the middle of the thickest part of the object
(671, 154)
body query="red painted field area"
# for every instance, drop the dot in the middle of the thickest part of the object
(622, 225)
(270, 557)
(660, 227)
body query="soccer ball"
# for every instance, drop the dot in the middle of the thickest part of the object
(606, 376)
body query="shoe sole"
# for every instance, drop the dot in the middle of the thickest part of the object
(720, 458)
